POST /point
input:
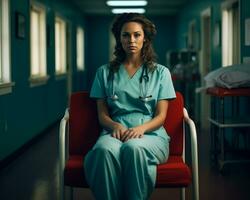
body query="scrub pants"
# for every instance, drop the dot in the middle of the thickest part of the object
(118, 170)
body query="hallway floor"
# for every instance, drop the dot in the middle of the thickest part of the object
(34, 176)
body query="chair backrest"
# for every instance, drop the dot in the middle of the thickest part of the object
(84, 128)
(174, 124)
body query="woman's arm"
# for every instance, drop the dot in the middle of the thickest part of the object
(155, 123)
(106, 121)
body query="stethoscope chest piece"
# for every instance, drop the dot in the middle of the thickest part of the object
(145, 99)
(114, 97)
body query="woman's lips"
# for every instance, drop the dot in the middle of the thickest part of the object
(132, 47)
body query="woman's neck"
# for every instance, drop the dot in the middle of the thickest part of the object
(133, 61)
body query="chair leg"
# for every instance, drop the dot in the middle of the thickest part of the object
(196, 189)
(71, 193)
(182, 191)
(62, 191)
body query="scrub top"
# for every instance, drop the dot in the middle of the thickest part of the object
(129, 109)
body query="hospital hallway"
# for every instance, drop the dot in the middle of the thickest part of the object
(34, 175)
(53, 53)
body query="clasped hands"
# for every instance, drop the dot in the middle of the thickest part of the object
(124, 134)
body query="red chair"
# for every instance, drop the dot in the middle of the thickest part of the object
(80, 125)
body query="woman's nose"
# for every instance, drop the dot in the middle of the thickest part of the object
(131, 38)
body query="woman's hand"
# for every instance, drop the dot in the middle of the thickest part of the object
(118, 131)
(135, 132)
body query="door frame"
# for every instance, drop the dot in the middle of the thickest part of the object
(204, 67)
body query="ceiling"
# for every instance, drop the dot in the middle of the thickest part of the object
(154, 7)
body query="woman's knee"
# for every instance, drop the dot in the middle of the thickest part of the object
(132, 146)
(107, 144)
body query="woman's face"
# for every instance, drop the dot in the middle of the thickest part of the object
(132, 38)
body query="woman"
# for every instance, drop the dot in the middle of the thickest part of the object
(132, 93)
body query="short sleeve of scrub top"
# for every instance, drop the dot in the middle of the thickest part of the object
(98, 88)
(166, 89)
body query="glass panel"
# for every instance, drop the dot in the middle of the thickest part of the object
(57, 45)
(1, 72)
(42, 28)
(230, 35)
(38, 41)
(35, 44)
(5, 42)
(80, 49)
(230, 38)
(60, 45)
(63, 46)
(226, 38)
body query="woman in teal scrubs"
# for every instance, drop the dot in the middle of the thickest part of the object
(132, 94)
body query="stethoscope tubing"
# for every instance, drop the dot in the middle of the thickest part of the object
(143, 90)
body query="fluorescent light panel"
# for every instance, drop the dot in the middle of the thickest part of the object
(128, 10)
(127, 3)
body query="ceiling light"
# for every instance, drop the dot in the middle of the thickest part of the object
(127, 3)
(128, 10)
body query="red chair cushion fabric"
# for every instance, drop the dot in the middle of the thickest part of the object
(84, 127)
(173, 173)
(174, 125)
(74, 172)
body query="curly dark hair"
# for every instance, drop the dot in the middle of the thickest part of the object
(148, 54)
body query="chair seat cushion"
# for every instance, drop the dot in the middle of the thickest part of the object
(73, 172)
(173, 173)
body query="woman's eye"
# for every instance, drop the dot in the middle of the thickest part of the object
(137, 35)
(125, 35)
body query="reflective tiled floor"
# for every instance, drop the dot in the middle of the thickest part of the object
(34, 176)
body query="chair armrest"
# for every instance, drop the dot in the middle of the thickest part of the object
(62, 137)
(194, 152)
(62, 149)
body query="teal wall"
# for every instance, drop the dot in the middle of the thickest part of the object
(165, 39)
(29, 111)
(97, 41)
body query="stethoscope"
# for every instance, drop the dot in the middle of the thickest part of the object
(143, 86)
